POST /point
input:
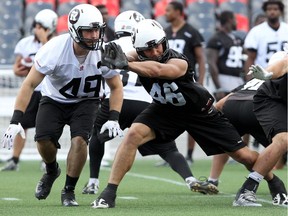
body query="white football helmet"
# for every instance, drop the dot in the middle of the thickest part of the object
(87, 17)
(47, 19)
(147, 34)
(125, 22)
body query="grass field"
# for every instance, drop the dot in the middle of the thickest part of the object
(145, 190)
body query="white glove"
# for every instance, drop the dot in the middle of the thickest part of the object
(9, 136)
(113, 128)
(260, 73)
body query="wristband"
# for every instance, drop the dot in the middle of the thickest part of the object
(16, 117)
(114, 115)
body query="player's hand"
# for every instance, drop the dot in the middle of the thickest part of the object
(260, 73)
(10, 134)
(113, 128)
(114, 57)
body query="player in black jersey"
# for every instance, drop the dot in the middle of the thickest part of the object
(270, 108)
(179, 104)
(238, 108)
(187, 40)
(224, 56)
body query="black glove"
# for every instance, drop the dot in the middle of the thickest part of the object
(113, 57)
(107, 55)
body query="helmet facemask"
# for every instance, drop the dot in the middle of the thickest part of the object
(93, 44)
(150, 45)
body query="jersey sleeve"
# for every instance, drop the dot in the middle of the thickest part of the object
(198, 39)
(214, 43)
(47, 57)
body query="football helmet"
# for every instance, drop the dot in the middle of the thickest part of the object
(47, 19)
(86, 17)
(125, 22)
(148, 34)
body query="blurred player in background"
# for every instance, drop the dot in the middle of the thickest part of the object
(109, 34)
(44, 28)
(260, 47)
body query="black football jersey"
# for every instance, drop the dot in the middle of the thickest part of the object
(184, 41)
(181, 92)
(230, 48)
(276, 89)
(246, 91)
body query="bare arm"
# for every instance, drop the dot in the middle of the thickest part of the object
(200, 58)
(33, 79)
(116, 97)
(219, 105)
(172, 69)
(132, 56)
(279, 68)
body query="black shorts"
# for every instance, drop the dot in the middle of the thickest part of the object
(29, 116)
(130, 110)
(240, 114)
(271, 114)
(211, 130)
(52, 116)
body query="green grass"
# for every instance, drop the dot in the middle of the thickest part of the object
(146, 183)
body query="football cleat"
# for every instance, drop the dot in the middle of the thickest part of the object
(44, 186)
(10, 166)
(216, 183)
(246, 198)
(203, 187)
(280, 199)
(68, 198)
(105, 200)
(278, 191)
(90, 189)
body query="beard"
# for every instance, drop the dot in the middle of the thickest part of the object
(273, 20)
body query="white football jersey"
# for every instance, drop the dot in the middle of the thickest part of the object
(266, 41)
(66, 80)
(132, 88)
(28, 47)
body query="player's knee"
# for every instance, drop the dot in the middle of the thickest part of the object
(246, 157)
(281, 141)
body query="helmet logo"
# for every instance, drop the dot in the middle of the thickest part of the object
(74, 16)
(136, 17)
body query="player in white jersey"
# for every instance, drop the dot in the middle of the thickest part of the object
(71, 90)
(44, 28)
(136, 99)
(267, 38)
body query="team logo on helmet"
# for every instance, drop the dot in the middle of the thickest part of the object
(136, 17)
(74, 16)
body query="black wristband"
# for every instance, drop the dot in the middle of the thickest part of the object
(17, 117)
(114, 115)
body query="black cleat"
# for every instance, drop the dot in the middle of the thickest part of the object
(104, 201)
(68, 198)
(44, 186)
(278, 191)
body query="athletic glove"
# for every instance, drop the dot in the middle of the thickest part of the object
(10, 134)
(113, 57)
(260, 73)
(113, 128)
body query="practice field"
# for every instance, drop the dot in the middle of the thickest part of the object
(146, 190)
